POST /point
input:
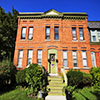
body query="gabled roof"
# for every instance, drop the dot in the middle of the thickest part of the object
(94, 24)
(53, 14)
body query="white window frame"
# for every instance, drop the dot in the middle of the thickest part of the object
(74, 33)
(23, 34)
(84, 58)
(39, 57)
(30, 33)
(65, 58)
(20, 58)
(98, 33)
(81, 34)
(93, 59)
(29, 57)
(56, 32)
(74, 54)
(48, 32)
(94, 34)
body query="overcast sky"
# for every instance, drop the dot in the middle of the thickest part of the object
(91, 7)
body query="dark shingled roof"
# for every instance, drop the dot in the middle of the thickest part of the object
(94, 24)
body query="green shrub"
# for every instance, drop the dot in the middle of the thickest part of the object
(87, 80)
(20, 77)
(74, 77)
(95, 72)
(7, 74)
(36, 77)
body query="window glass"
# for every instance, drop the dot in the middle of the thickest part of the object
(20, 58)
(56, 33)
(65, 64)
(39, 57)
(30, 54)
(74, 33)
(30, 36)
(23, 33)
(47, 32)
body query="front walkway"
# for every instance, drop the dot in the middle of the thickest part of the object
(56, 98)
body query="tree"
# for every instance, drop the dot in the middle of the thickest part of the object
(8, 31)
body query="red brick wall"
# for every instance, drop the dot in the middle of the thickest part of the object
(65, 40)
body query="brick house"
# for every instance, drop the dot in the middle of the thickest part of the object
(54, 40)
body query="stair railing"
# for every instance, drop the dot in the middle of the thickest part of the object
(65, 76)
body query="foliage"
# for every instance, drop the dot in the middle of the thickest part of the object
(17, 94)
(8, 31)
(87, 80)
(86, 94)
(95, 72)
(7, 74)
(74, 77)
(20, 77)
(36, 77)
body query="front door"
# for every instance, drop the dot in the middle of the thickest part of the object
(52, 61)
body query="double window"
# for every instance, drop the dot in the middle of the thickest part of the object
(93, 59)
(65, 62)
(20, 58)
(23, 33)
(29, 59)
(48, 33)
(81, 34)
(39, 57)
(74, 53)
(56, 30)
(30, 36)
(84, 58)
(74, 34)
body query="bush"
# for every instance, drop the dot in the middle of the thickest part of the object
(87, 79)
(36, 77)
(7, 74)
(95, 72)
(74, 77)
(20, 77)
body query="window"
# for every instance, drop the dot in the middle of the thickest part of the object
(93, 59)
(93, 35)
(47, 33)
(94, 38)
(20, 58)
(74, 33)
(30, 36)
(23, 33)
(56, 33)
(74, 53)
(81, 34)
(39, 57)
(29, 59)
(84, 58)
(98, 35)
(65, 64)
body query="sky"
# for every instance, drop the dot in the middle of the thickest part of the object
(91, 7)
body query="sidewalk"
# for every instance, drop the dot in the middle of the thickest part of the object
(55, 98)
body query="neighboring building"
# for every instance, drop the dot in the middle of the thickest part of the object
(94, 33)
(53, 40)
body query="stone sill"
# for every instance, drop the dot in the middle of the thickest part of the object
(76, 68)
(82, 40)
(48, 40)
(85, 67)
(74, 40)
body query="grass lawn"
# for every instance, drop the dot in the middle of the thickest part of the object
(17, 94)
